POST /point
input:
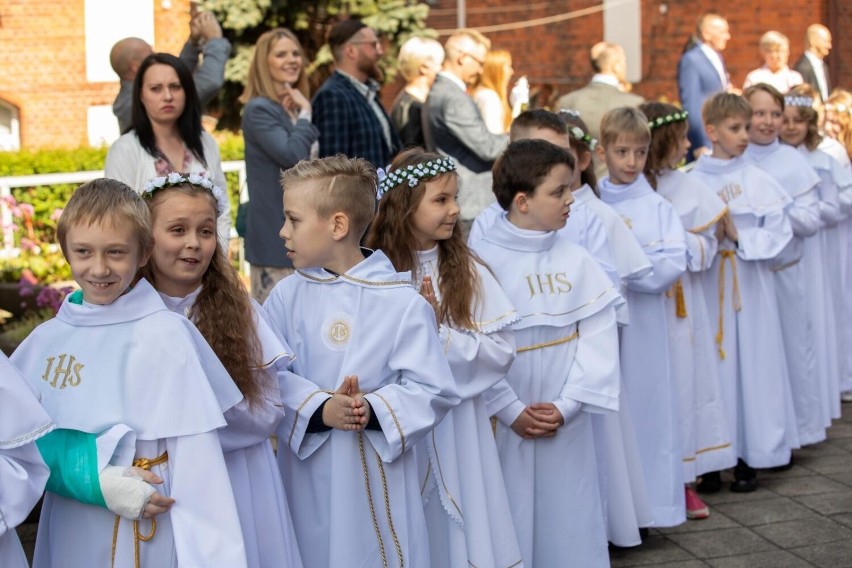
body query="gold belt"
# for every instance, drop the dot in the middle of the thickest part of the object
(736, 300)
(146, 464)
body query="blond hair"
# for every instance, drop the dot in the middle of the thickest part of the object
(725, 105)
(415, 52)
(624, 121)
(341, 185)
(105, 200)
(460, 41)
(605, 55)
(259, 82)
(772, 39)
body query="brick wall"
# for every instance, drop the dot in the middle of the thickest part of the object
(43, 62)
(555, 56)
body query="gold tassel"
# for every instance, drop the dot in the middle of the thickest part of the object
(730, 256)
(680, 301)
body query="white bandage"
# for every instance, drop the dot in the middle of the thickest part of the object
(124, 491)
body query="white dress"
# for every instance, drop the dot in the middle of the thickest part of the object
(793, 285)
(129, 162)
(135, 364)
(355, 496)
(22, 471)
(467, 511)
(741, 298)
(646, 362)
(567, 355)
(252, 467)
(704, 427)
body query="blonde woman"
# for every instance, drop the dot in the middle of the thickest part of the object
(491, 91)
(278, 133)
(420, 59)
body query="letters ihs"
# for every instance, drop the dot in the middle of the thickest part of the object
(548, 284)
(66, 367)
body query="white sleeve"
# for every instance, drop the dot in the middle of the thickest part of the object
(667, 255)
(804, 214)
(23, 475)
(701, 249)
(204, 516)
(120, 163)
(478, 360)
(251, 425)
(765, 238)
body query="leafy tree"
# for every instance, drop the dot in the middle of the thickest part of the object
(243, 21)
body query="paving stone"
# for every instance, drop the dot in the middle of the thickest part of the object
(828, 503)
(804, 532)
(844, 519)
(725, 542)
(773, 559)
(841, 429)
(655, 550)
(830, 464)
(805, 485)
(767, 511)
(715, 521)
(831, 555)
(844, 478)
(728, 496)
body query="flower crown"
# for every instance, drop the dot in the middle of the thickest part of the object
(174, 178)
(578, 134)
(798, 101)
(677, 116)
(412, 175)
(838, 107)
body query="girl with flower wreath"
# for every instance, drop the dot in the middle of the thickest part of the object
(467, 510)
(193, 276)
(705, 439)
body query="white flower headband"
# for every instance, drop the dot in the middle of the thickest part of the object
(797, 101)
(578, 134)
(677, 116)
(412, 175)
(174, 178)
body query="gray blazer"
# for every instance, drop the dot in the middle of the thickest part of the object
(453, 126)
(273, 143)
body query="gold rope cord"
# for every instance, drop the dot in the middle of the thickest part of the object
(370, 498)
(388, 511)
(146, 464)
(736, 301)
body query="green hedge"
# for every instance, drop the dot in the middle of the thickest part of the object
(46, 199)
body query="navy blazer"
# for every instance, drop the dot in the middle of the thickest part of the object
(348, 125)
(697, 81)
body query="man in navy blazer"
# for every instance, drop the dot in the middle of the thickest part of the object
(701, 74)
(346, 109)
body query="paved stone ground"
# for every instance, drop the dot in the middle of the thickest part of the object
(798, 518)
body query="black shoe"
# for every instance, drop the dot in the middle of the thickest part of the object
(643, 533)
(710, 482)
(744, 485)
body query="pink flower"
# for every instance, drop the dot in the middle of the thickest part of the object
(56, 214)
(28, 245)
(26, 210)
(28, 278)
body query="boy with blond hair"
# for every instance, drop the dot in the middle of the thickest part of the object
(369, 378)
(127, 382)
(741, 295)
(646, 365)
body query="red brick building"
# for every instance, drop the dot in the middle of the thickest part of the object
(56, 87)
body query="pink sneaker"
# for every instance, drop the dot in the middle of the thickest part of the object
(696, 509)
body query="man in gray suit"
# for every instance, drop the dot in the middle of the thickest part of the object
(453, 125)
(603, 93)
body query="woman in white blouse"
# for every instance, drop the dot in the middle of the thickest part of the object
(491, 92)
(775, 50)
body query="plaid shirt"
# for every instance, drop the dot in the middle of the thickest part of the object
(348, 125)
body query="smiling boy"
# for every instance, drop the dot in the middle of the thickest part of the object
(127, 382)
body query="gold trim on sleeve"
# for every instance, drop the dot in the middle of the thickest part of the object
(480, 324)
(395, 420)
(298, 411)
(709, 224)
(354, 279)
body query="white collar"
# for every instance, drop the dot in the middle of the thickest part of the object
(606, 79)
(813, 58)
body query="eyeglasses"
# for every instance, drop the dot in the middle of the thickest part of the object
(481, 62)
(375, 43)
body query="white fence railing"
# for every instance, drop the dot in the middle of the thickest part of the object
(10, 182)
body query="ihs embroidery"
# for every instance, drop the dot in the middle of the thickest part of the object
(339, 332)
(730, 191)
(548, 284)
(67, 368)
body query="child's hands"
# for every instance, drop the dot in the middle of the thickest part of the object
(731, 229)
(355, 392)
(343, 411)
(128, 492)
(428, 292)
(537, 422)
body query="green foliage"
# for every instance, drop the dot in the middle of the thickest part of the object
(243, 21)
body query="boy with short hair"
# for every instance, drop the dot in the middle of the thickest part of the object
(645, 363)
(127, 382)
(369, 379)
(567, 362)
(741, 295)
